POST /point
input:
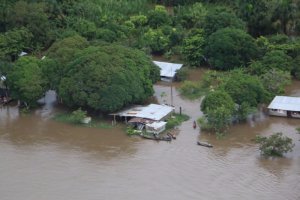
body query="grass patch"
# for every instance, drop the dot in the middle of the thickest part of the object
(69, 119)
(176, 120)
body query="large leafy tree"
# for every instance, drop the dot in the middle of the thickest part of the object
(25, 80)
(230, 48)
(107, 78)
(219, 18)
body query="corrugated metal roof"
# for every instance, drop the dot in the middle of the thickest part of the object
(167, 69)
(285, 103)
(153, 111)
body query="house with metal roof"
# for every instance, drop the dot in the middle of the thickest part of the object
(150, 117)
(285, 106)
(167, 70)
(154, 112)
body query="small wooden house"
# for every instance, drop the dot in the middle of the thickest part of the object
(285, 106)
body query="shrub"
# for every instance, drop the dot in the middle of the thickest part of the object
(182, 74)
(77, 116)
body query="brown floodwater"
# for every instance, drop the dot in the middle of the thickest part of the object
(45, 159)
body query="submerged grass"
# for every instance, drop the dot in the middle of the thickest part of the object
(191, 90)
(64, 117)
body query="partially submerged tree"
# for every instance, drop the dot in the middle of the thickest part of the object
(274, 145)
(218, 108)
(275, 81)
(244, 88)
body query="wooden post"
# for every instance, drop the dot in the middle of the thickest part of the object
(180, 110)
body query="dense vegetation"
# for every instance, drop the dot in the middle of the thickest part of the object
(97, 52)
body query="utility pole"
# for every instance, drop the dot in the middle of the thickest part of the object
(172, 86)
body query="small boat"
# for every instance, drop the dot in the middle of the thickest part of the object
(154, 137)
(205, 144)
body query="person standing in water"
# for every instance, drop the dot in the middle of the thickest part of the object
(194, 124)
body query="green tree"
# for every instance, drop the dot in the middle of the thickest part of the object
(192, 48)
(139, 20)
(219, 18)
(25, 80)
(85, 28)
(285, 14)
(60, 54)
(33, 16)
(190, 16)
(257, 14)
(244, 88)
(296, 67)
(158, 17)
(108, 77)
(274, 145)
(216, 99)
(157, 41)
(219, 119)
(230, 48)
(275, 81)
(13, 42)
(277, 59)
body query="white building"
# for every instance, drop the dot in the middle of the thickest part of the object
(285, 106)
(156, 127)
(167, 70)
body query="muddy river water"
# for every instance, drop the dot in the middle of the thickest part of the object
(41, 159)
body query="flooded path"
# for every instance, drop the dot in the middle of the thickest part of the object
(45, 159)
